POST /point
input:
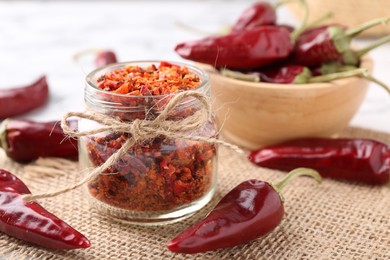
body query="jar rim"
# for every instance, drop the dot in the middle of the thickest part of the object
(90, 78)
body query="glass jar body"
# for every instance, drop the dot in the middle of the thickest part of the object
(158, 180)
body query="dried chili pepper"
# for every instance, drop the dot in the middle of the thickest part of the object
(29, 221)
(329, 43)
(249, 211)
(258, 14)
(247, 49)
(19, 100)
(25, 140)
(360, 160)
(291, 74)
(105, 57)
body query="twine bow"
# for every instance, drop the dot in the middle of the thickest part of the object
(140, 130)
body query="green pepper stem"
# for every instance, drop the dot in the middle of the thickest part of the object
(303, 26)
(281, 3)
(367, 25)
(339, 75)
(240, 76)
(380, 83)
(292, 175)
(372, 46)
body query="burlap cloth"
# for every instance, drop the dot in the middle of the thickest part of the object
(334, 220)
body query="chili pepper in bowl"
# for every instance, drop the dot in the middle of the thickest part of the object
(29, 221)
(258, 14)
(358, 160)
(292, 74)
(250, 210)
(19, 100)
(247, 49)
(25, 140)
(328, 43)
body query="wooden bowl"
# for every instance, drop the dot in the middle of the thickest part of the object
(252, 115)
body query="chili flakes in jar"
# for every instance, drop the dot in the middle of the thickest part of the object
(155, 177)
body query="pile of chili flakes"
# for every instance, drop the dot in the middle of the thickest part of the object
(133, 80)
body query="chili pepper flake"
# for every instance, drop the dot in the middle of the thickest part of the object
(165, 79)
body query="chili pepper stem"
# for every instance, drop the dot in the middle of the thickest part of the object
(380, 83)
(292, 175)
(280, 3)
(303, 26)
(339, 75)
(367, 25)
(240, 76)
(374, 45)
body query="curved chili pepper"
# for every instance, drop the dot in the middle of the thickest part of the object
(291, 74)
(360, 160)
(329, 43)
(30, 222)
(19, 100)
(105, 57)
(25, 140)
(247, 49)
(249, 211)
(260, 13)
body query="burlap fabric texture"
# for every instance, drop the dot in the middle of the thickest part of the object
(333, 220)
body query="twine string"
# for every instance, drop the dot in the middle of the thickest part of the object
(140, 130)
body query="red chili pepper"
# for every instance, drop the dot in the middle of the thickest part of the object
(330, 43)
(25, 140)
(260, 13)
(30, 222)
(360, 160)
(104, 58)
(291, 74)
(19, 100)
(249, 211)
(247, 49)
(287, 74)
(296, 74)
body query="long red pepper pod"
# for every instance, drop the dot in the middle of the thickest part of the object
(249, 211)
(293, 74)
(247, 49)
(19, 100)
(258, 14)
(360, 160)
(25, 140)
(326, 43)
(30, 222)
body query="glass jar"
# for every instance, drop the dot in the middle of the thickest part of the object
(157, 181)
